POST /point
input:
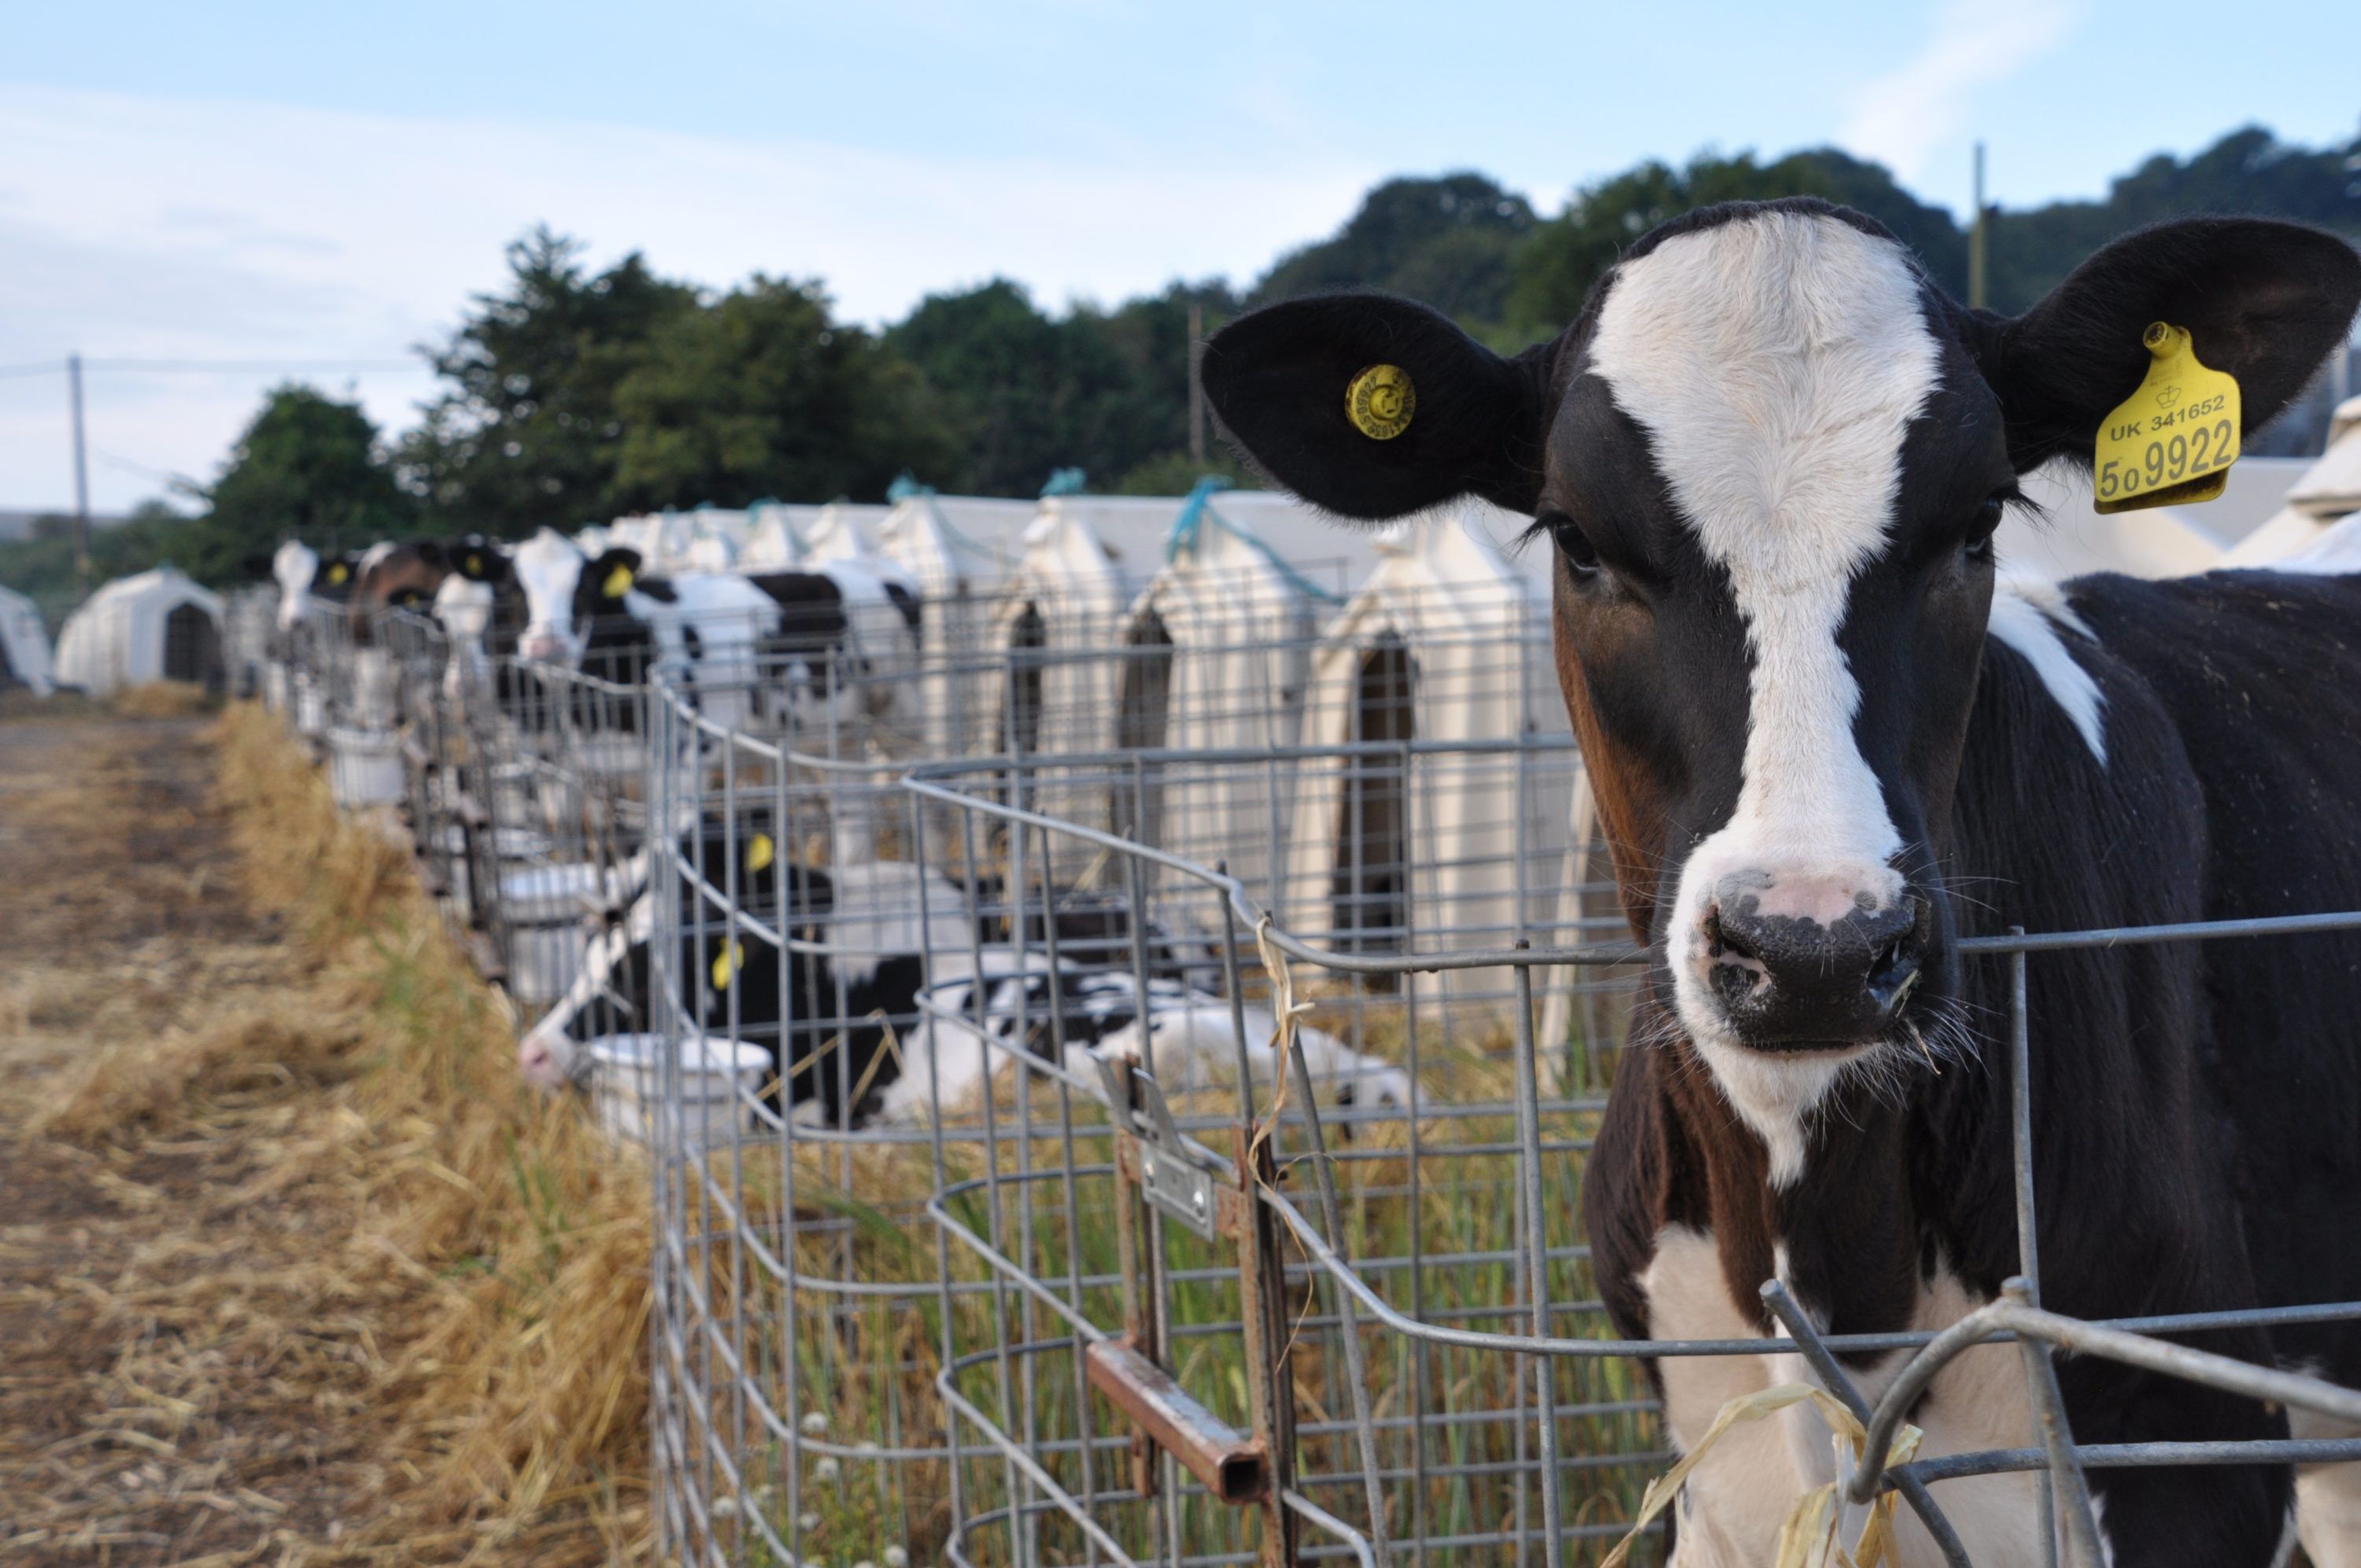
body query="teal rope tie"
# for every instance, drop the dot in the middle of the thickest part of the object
(1190, 525)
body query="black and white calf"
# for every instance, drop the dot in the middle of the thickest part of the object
(885, 1020)
(843, 638)
(1187, 1035)
(1826, 743)
(481, 606)
(303, 574)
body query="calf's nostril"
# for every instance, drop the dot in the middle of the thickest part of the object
(1721, 941)
(1895, 971)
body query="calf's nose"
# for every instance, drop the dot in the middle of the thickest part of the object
(1791, 979)
(541, 1062)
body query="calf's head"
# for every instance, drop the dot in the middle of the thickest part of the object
(1770, 457)
(549, 567)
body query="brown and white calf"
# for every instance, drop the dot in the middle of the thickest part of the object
(1827, 743)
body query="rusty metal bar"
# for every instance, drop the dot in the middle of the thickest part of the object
(1234, 1467)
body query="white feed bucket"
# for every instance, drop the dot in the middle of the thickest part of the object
(626, 1088)
(547, 907)
(513, 792)
(310, 706)
(511, 844)
(365, 766)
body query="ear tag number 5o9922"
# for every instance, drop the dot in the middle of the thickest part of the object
(2173, 439)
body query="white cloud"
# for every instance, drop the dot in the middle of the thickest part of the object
(144, 227)
(1901, 117)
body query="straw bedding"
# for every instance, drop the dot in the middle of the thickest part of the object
(291, 1271)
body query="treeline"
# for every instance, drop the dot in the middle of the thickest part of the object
(573, 394)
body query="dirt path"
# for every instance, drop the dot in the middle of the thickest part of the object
(174, 1389)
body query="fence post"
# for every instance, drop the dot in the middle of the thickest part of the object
(1262, 1303)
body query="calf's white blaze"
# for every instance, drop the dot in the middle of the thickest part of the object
(548, 565)
(292, 565)
(1776, 362)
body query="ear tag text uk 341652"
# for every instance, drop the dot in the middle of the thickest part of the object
(1380, 401)
(2173, 439)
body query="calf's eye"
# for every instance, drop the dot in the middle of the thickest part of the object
(1980, 529)
(1581, 555)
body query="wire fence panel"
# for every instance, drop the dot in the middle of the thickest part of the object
(1118, 1071)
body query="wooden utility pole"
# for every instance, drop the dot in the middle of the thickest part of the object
(1976, 274)
(82, 478)
(1196, 386)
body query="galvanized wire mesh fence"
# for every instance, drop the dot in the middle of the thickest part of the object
(989, 1223)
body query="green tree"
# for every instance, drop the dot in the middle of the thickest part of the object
(1000, 367)
(42, 567)
(309, 466)
(1135, 403)
(1555, 271)
(762, 393)
(1104, 390)
(1174, 473)
(1447, 241)
(2248, 170)
(528, 434)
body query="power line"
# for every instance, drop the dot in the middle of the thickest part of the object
(144, 471)
(265, 367)
(215, 367)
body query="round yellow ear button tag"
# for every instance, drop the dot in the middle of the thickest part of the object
(1380, 401)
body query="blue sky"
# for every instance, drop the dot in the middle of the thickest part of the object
(328, 182)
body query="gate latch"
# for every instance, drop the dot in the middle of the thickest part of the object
(1173, 1183)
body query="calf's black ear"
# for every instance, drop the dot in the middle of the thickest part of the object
(613, 574)
(1293, 384)
(430, 550)
(2265, 302)
(472, 558)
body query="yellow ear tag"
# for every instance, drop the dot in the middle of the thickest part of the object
(338, 573)
(726, 963)
(618, 582)
(1380, 401)
(2172, 441)
(760, 852)
(475, 565)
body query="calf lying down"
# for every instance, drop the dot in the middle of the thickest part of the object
(967, 1028)
(877, 1040)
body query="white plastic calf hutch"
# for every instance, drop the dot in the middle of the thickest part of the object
(1060, 613)
(775, 538)
(1216, 657)
(158, 626)
(843, 530)
(956, 546)
(958, 550)
(2328, 490)
(24, 645)
(1447, 643)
